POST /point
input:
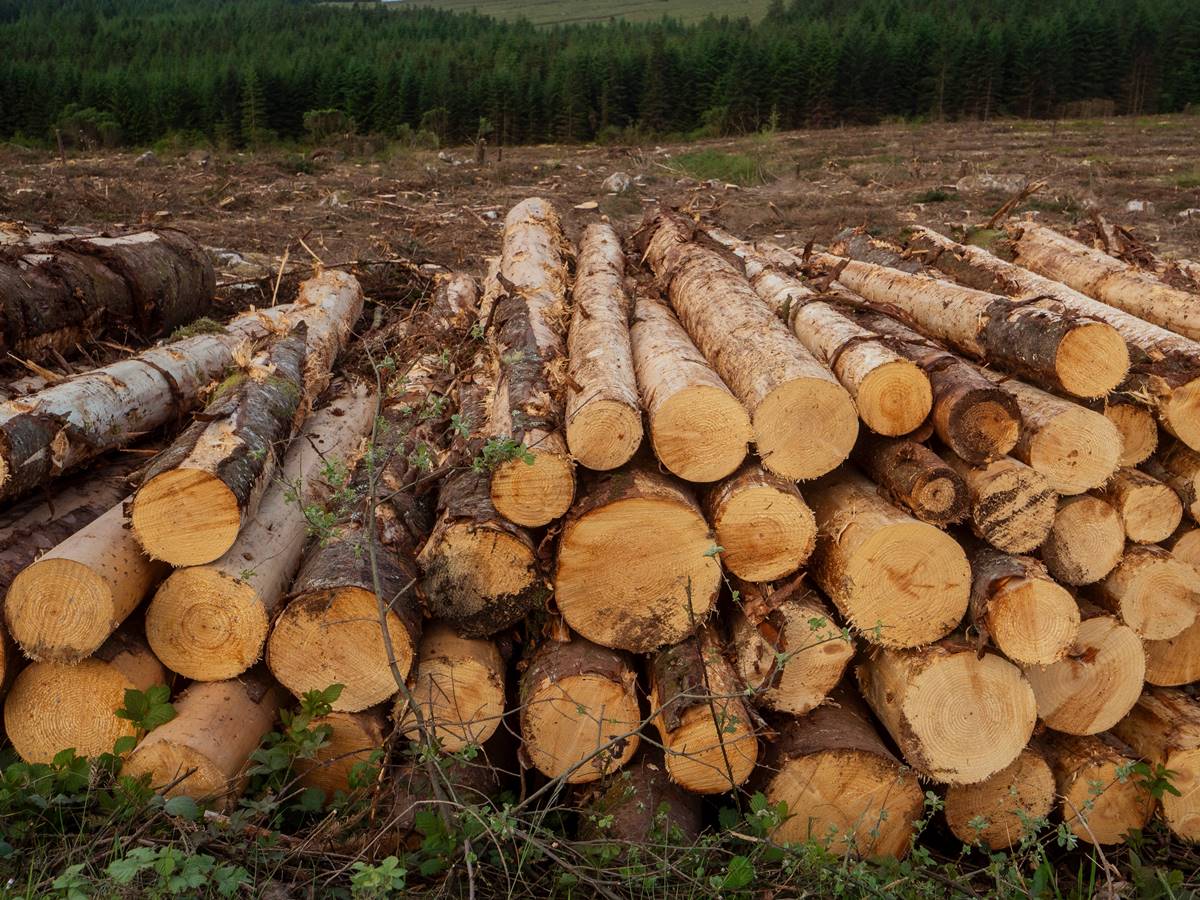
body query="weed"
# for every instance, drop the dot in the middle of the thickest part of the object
(712, 165)
(935, 195)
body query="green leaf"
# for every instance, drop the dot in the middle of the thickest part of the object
(738, 874)
(124, 744)
(183, 808)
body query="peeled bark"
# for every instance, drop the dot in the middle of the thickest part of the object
(1002, 809)
(637, 566)
(210, 622)
(1150, 510)
(1178, 466)
(897, 581)
(604, 417)
(957, 715)
(698, 428)
(1012, 506)
(353, 739)
(915, 477)
(785, 390)
(1086, 540)
(1153, 593)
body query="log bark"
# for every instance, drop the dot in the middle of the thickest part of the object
(698, 428)
(957, 715)
(705, 728)
(843, 787)
(1163, 728)
(1099, 680)
(203, 751)
(330, 631)
(579, 710)
(63, 607)
(529, 326)
(640, 805)
(1165, 367)
(354, 738)
(53, 707)
(1176, 660)
(1178, 466)
(1026, 614)
(637, 566)
(1149, 509)
(1042, 341)
(1086, 541)
(779, 382)
(1012, 506)
(210, 622)
(785, 646)
(1153, 593)
(915, 477)
(604, 417)
(762, 524)
(897, 581)
(1001, 810)
(1098, 805)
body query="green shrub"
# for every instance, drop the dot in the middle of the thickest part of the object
(731, 168)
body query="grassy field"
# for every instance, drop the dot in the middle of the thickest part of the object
(559, 12)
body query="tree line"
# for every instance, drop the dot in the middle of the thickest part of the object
(134, 71)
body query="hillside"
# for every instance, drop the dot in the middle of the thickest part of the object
(561, 12)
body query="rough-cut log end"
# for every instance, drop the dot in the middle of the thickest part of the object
(1176, 660)
(1077, 450)
(604, 434)
(1139, 431)
(60, 610)
(205, 625)
(1097, 683)
(1034, 621)
(537, 493)
(895, 398)
(1012, 505)
(353, 737)
(979, 423)
(1001, 810)
(1092, 360)
(701, 433)
(762, 523)
(1085, 542)
(1149, 509)
(784, 431)
(1153, 593)
(1098, 816)
(1181, 413)
(187, 517)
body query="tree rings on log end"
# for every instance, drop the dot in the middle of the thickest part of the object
(805, 428)
(187, 517)
(537, 493)
(1181, 413)
(1002, 809)
(894, 398)
(604, 434)
(1034, 621)
(1176, 660)
(700, 433)
(61, 610)
(1092, 360)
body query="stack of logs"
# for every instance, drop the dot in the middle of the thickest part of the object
(687, 516)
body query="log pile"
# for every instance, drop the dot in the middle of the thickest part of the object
(686, 513)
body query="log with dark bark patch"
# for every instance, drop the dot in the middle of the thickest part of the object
(915, 477)
(641, 805)
(1086, 540)
(1012, 506)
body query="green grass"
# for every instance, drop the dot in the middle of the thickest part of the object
(732, 168)
(1186, 179)
(561, 12)
(935, 195)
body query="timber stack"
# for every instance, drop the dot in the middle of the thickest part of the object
(690, 514)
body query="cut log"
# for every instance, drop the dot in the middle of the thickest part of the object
(786, 647)
(1176, 660)
(1136, 424)
(1163, 728)
(780, 383)
(698, 428)
(579, 710)
(1150, 510)
(706, 731)
(1099, 804)
(640, 805)
(637, 565)
(897, 581)
(202, 752)
(331, 630)
(915, 477)
(1153, 593)
(530, 323)
(957, 715)
(1086, 541)
(1099, 680)
(53, 707)
(209, 623)
(1042, 341)
(604, 417)
(1178, 466)
(1003, 809)
(843, 787)
(1184, 545)
(1012, 506)
(763, 526)
(338, 765)
(65, 605)
(1026, 614)
(459, 685)
(1165, 367)
(454, 306)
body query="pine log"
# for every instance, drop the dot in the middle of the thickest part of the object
(1086, 541)
(1153, 593)
(1099, 804)
(640, 805)
(63, 607)
(1165, 368)
(698, 428)
(1136, 424)
(604, 417)
(637, 566)
(762, 524)
(1028, 616)
(338, 765)
(209, 623)
(1178, 465)
(897, 581)
(459, 685)
(705, 728)
(915, 477)
(1041, 341)
(843, 787)
(1099, 680)
(780, 383)
(1150, 510)
(1184, 545)
(579, 710)
(530, 324)
(785, 646)
(957, 714)
(454, 306)
(1004, 808)
(331, 632)
(1175, 661)
(203, 751)
(53, 707)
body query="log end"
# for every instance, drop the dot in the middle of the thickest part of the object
(353, 737)
(983, 424)
(1106, 817)
(999, 811)
(1139, 431)
(1013, 507)
(604, 434)
(1092, 360)
(701, 433)
(694, 755)
(1182, 813)
(582, 718)
(1077, 450)
(1154, 594)
(895, 398)
(766, 532)
(1151, 512)
(1175, 661)
(534, 494)
(940, 499)
(186, 517)
(1085, 542)
(60, 610)
(1181, 413)
(784, 432)
(189, 772)
(1034, 621)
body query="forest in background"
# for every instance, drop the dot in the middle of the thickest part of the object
(131, 72)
